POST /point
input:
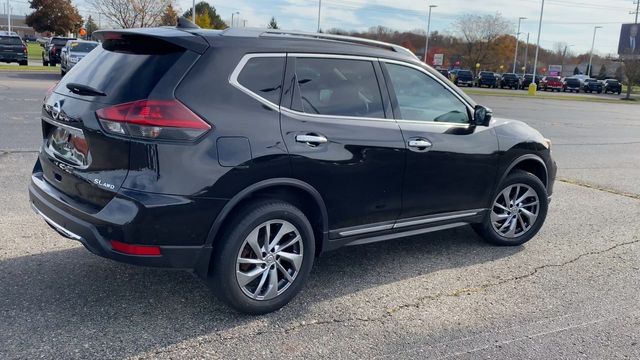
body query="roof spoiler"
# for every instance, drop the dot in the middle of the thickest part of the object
(173, 35)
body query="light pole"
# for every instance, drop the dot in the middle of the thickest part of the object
(319, 10)
(232, 15)
(526, 55)
(193, 12)
(515, 57)
(533, 87)
(593, 42)
(426, 43)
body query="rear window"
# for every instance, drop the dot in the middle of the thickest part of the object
(339, 87)
(487, 75)
(263, 76)
(60, 41)
(82, 47)
(553, 79)
(10, 40)
(464, 72)
(513, 76)
(125, 70)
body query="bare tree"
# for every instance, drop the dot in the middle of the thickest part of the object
(131, 13)
(479, 34)
(631, 72)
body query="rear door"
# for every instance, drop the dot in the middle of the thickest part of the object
(78, 157)
(342, 140)
(450, 165)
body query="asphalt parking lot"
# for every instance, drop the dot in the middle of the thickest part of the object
(571, 292)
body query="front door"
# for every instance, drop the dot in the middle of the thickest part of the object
(450, 165)
(343, 141)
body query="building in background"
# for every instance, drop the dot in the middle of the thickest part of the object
(19, 26)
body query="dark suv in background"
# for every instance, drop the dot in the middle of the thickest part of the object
(486, 78)
(592, 85)
(12, 49)
(53, 49)
(571, 84)
(612, 86)
(243, 154)
(462, 77)
(509, 80)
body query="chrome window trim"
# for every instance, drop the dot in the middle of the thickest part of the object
(233, 80)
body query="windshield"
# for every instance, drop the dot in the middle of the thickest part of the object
(553, 79)
(83, 46)
(10, 40)
(464, 72)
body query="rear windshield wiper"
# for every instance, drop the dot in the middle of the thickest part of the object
(84, 90)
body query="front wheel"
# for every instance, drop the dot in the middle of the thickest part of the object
(265, 258)
(517, 212)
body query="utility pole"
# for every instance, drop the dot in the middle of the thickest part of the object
(9, 15)
(564, 54)
(593, 42)
(515, 57)
(526, 54)
(426, 44)
(319, 12)
(244, 23)
(193, 12)
(532, 89)
(637, 2)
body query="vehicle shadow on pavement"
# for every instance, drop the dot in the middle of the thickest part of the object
(70, 302)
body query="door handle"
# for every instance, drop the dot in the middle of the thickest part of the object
(311, 139)
(420, 143)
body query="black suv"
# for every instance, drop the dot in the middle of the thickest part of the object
(526, 81)
(509, 80)
(592, 85)
(53, 49)
(12, 49)
(486, 78)
(243, 154)
(571, 84)
(612, 86)
(462, 77)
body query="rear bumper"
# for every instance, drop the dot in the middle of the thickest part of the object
(122, 219)
(13, 58)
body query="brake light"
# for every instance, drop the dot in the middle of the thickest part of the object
(153, 119)
(134, 249)
(24, 48)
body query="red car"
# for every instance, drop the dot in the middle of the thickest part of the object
(552, 83)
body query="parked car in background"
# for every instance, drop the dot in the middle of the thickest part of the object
(73, 52)
(552, 83)
(246, 185)
(12, 49)
(612, 86)
(486, 78)
(462, 77)
(527, 79)
(53, 49)
(444, 72)
(571, 84)
(509, 80)
(592, 85)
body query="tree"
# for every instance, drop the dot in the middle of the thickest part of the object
(204, 20)
(90, 26)
(602, 74)
(479, 34)
(214, 19)
(619, 74)
(169, 16)
(273, 24)
(576, 71)
(59, 17)
(131, 13)
(632, 72)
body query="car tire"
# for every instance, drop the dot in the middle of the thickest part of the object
(44, 62)
(515, 186)
(62, 72)
(227, 267)
(51, 63)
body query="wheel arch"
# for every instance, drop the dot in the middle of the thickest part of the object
(529, 163)
(297, 192)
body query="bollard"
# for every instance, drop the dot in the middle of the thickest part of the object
(533, 88)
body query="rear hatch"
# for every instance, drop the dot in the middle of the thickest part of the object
(11, 47)
(465, 75)
(79, 157)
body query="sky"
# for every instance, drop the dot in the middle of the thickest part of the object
(568, 21)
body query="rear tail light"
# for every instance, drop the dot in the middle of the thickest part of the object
(26, 51)
(153, 119)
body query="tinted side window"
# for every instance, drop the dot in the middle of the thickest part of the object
(339, 87)
(263, 76)
(422, 98)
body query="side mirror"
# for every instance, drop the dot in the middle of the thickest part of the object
(482, 116)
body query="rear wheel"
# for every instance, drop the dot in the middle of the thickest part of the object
(517, 212)
(52, 63)
(265, 259)
(23, 63)
(45, 62)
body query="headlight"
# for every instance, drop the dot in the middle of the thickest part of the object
(547, 143)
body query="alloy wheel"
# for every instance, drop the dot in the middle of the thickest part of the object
(269, 259)
(515, 210)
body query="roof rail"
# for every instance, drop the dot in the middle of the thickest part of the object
(351, 39)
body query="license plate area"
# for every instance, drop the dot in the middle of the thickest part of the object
(67, 144)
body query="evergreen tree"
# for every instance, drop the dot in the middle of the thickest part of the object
(90, 26)
(273, 24)
(169, 16)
